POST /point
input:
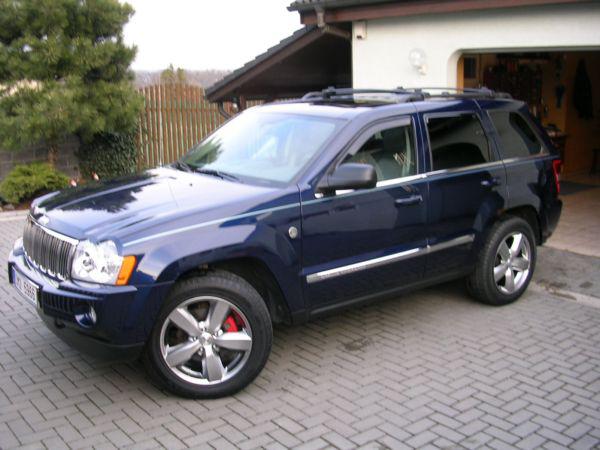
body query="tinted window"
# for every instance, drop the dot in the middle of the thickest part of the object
(391, 152)
(457, 141)
(516, 136)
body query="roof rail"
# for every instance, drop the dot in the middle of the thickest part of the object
(457, 92)
(404, 95)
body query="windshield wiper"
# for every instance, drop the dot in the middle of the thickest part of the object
(217, 173)
(182, 166)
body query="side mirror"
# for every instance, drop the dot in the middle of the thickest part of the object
(349, 176)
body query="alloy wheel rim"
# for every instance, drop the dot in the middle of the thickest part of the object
(205, 340)
(512, 263)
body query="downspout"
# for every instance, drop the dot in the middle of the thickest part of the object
(320, 12)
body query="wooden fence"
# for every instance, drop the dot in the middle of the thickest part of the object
(175, 117)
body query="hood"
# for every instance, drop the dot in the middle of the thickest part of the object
(120, 207)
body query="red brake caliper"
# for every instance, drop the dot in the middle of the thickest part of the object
(229, 326)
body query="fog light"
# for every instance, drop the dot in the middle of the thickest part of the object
(87, 319)
(18, 246)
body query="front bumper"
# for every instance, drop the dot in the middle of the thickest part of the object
(122, 318)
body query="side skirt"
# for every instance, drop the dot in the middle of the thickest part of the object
(331, 308)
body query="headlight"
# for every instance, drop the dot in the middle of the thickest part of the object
(101, 263)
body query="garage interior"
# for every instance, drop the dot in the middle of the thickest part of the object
(562, 90)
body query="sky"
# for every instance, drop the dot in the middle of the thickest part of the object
(206, 34)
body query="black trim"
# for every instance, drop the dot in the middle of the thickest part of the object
(331, 308)
(88, 344)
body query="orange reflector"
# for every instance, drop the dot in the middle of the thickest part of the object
(126, 270)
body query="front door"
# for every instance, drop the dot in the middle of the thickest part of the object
(359, 243)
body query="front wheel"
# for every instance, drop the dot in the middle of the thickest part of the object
(505, 264)
(212, 337)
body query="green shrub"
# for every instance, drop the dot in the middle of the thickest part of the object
(27, 181)
(109, 155)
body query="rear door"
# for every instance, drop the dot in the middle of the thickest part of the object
(529, 158)
(522, 150)
(467, 185)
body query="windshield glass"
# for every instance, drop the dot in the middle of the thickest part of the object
(262, 145)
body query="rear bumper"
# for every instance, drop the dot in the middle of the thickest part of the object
(106, 321)
(550, 219)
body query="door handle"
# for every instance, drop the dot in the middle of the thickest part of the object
(344, 207)
(495, 181)
(406, 201)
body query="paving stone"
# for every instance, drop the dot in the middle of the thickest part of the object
(449, 373)
(421, 439)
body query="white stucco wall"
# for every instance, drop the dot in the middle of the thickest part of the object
(381, 60)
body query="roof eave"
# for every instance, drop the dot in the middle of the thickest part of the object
(231, 85)
(237, 77)
(361, 11)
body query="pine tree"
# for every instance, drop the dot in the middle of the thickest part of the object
(172, 76)
(64, 70)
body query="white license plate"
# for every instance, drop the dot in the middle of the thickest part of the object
(26, 288)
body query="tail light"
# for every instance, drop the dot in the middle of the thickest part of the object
(557, 169)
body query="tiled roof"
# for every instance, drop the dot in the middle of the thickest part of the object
(260, 58)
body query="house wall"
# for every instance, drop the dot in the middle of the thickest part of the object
(381, 60)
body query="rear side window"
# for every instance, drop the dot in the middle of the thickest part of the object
(457, 141)
(390, 151)
(516, 136)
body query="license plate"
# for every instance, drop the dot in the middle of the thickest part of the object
(27, 289)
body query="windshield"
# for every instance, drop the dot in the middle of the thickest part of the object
(261, 145)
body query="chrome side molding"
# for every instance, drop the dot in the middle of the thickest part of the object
(388, 259)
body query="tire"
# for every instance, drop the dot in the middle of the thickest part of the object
(212, 337)
(508, 253)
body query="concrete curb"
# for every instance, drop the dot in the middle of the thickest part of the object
(567, 295)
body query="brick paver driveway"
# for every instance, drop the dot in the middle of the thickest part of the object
(430, 369)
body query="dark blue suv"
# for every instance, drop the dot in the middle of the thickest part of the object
(288, 211)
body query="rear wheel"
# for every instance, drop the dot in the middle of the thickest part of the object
(505, 263)
(212, 337)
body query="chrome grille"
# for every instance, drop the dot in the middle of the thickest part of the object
(48, 251)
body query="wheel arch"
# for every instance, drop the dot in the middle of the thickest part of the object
(530, 215)
(258, 275)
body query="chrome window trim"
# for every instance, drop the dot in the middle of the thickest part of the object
(382, 260)
(380, 184)
(420, 176)
(498, 163)
(401, 180)
(518, 159)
